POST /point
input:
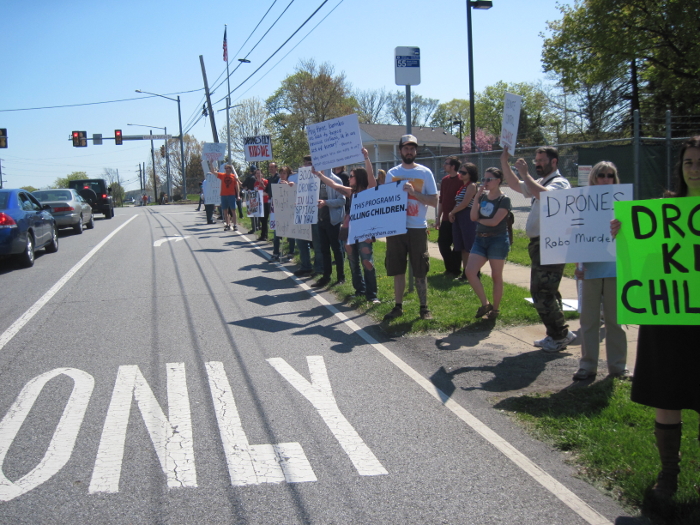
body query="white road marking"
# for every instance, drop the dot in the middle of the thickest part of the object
(580, 507)
(169, 238)
(172, 437)
(8, 334)
(63, 441)
(320, 394)
(252, 464)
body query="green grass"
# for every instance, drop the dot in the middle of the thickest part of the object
(611, 440)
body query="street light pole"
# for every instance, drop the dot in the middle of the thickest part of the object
(473, 4)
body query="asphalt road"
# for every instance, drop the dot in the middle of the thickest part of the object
(160, 370)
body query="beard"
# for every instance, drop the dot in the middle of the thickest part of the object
(543, 171)
(408, 158)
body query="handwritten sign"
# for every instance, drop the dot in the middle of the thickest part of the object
(378, 213)
(584, 173)
(511, 119)
(284, 197)
(212, 154)
(658, 261)
(212, 190)
(254, 203)
(257, 148)
(575, 223)
(335, 142)
(307, 186)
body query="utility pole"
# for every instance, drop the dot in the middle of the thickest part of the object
(153, 161)
(140, 178)
(206, 91)
(1, 173)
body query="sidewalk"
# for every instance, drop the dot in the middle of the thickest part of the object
(525, 335)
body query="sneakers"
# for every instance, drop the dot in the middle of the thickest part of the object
(375, 301)
(275, 258)
(323, 281)
(583, 375)
(425, 313)
(541, 342)
(557, 345)
(303, 273)
(226, 227)
(396, 312)
(625, 374)
(235, 227)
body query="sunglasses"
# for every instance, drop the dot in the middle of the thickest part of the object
(463, 172)
(489, 179)
(606, 175)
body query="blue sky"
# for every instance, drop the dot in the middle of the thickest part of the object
(60, 53)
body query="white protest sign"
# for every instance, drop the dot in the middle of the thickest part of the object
(575, 223)
(284, 197)
(307, 187)
(378, 213)
(511, 119)
(257, 148)
(254, 203)
(212, 190)
(583, 173)
(335, 142)
(272, 220)
(212, 153)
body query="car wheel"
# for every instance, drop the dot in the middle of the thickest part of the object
(52, 247)
(26, 258)
(78, 228)
(108, 213)
(112, 212)
(91, 223)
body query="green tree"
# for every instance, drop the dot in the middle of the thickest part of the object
(193, 166)
(248, 119)
(422, 108)
(313, 93)
(29, 188)
(449, 112)
(62, 182)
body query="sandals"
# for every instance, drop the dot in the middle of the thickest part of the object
(492, 315)
(483, 310)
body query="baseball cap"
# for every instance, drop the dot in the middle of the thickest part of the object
(408, 139)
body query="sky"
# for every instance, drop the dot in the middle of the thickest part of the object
(62, 60)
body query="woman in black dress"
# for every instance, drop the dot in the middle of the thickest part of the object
(668, 356)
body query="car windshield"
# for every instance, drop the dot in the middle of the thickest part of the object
(55, 195)
(92, 185)
(4, 199)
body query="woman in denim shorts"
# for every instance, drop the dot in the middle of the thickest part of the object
(490, 213)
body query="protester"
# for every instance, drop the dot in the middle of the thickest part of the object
(208, 206)
(285, 175)
(307, 269)
(201, 197)
(463, 228)
(331, 211)
(490, 213)
(422, 192)
(360, 180)
(666, 370)
(381, 177)
(229, 192)
(544, 278)
(449, 186)
(261, 185)
(600, 282)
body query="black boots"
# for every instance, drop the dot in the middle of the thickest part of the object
(668, 441)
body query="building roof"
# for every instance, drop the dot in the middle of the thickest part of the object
(390, 134)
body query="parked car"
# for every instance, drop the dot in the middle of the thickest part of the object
(96, 193)
(25, 226)
(68, 208)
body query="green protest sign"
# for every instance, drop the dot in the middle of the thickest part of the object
(658, 261)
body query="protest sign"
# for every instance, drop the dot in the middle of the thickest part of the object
(658, 261)
(257, 148)
(284, 197)
(272, 219)
(335, 142)
(307, 187)
(212, 194)
(511, 118)
(583, 174)
(575, 223)
(254, 203)
(212, 154)
(378, 212)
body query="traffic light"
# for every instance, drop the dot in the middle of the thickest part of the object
(118, 137)
(79, 139)
(3, 138)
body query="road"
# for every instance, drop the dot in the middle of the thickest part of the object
(160, 370)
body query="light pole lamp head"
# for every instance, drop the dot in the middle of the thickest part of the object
(480, 4)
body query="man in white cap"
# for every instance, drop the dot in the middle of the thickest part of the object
(422, 192)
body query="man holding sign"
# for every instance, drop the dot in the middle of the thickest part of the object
(420, 185)
(229, 193)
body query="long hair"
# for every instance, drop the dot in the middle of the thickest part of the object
(679, 183)
(602, 165)
(496, 172)
(361, 179)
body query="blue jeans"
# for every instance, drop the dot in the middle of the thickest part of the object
(361, 252)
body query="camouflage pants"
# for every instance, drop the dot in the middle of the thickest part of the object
(544, 287)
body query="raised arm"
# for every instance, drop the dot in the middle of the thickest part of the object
(511, 178)
(332, 184)
(371, 180)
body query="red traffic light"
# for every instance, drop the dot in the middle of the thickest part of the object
(3, 138)
(118, 137)
(79, 139)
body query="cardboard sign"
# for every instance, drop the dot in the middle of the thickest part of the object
(257, 148)
(212, 193)
(284, 197)
(307, 188)
(254, 203)
(575, 223)
(378, 213)
(511, 119)
(335, 142)
(212, 153)
(658, 261)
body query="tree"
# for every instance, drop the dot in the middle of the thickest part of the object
(310, 95)
(370, 105)
(62, 182)
(448, 112)
(193, 161)
(421, 108)
(29, 188)
(652, 45)
(484, 141)
(248, 119)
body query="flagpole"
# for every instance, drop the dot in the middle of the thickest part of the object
(228, 99)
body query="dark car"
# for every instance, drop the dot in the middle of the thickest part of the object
(68, 208)
(96, 193)
(25, 226)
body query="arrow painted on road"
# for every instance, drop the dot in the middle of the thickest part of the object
(175, 238)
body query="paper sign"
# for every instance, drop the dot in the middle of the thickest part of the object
(212, 193)
(284, 197)
(658, 261)
(307, 187)
(254, 203)
(511, 118)
(583, 174)
(257, 148)
(335, 142)
(212, 153)
(575, 223)
(378, 213)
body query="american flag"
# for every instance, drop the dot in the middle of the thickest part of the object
(225, 48)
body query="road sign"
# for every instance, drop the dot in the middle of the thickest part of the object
(407, 66)
(97, 139)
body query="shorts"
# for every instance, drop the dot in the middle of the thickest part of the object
(414, 244)
(496, 247)
(228, 202)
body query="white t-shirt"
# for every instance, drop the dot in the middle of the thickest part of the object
(423, 181)
(553, 181)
